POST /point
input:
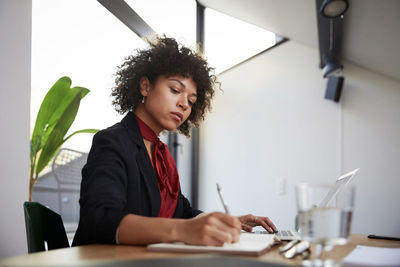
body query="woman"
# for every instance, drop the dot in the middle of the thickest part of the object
(130, 192)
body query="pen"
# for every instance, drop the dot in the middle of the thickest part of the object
(384, 237)
(219, 189)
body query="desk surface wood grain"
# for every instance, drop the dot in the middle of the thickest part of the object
(92, 254)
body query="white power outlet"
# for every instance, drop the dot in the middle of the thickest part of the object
(281, 186)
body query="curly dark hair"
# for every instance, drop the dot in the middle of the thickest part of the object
(164, 57)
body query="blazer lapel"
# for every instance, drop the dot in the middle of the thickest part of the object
(150, 180)
(144, 163)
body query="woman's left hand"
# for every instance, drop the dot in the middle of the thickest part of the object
(249, 221)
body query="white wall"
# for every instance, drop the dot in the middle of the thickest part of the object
(371, 141)
(15, 73)
(272, 124)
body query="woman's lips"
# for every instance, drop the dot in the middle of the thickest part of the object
(177, 116)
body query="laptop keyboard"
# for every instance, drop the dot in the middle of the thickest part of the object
(279, 233)
(284, 233)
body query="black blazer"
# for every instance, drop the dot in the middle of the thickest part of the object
(119, 179)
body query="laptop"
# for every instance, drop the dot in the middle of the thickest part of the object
(342, 181)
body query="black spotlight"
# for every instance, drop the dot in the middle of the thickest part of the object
(334, 88)
(333, 8)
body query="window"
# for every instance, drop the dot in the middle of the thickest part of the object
(229, 41)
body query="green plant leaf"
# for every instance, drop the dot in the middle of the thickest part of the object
(51, 102)
(73, 93)
(55, 140)
(56, 101)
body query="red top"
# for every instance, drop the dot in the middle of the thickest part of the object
(165, 169)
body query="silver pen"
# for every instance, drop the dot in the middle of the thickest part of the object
(219, 189)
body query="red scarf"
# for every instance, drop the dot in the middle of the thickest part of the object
(165, 169)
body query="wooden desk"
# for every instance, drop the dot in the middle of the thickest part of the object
(92, 254)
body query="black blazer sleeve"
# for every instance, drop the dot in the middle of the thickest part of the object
(103, 190)
(184, 209)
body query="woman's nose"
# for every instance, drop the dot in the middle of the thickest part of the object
(183, 103)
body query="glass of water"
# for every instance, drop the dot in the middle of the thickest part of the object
(324, 218)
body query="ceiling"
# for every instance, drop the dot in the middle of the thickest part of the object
(371, 28)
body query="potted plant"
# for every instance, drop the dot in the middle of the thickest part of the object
(56, 114)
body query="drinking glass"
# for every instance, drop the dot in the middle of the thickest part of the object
(324, 218)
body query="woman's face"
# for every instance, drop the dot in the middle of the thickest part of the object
(169, 102)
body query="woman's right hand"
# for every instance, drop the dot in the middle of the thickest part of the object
(212, 229)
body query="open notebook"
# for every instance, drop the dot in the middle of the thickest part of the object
(249, 244)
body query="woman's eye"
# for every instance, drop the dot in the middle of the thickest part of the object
(174, 90)
(190, 103)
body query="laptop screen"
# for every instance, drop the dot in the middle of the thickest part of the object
(340, 183)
